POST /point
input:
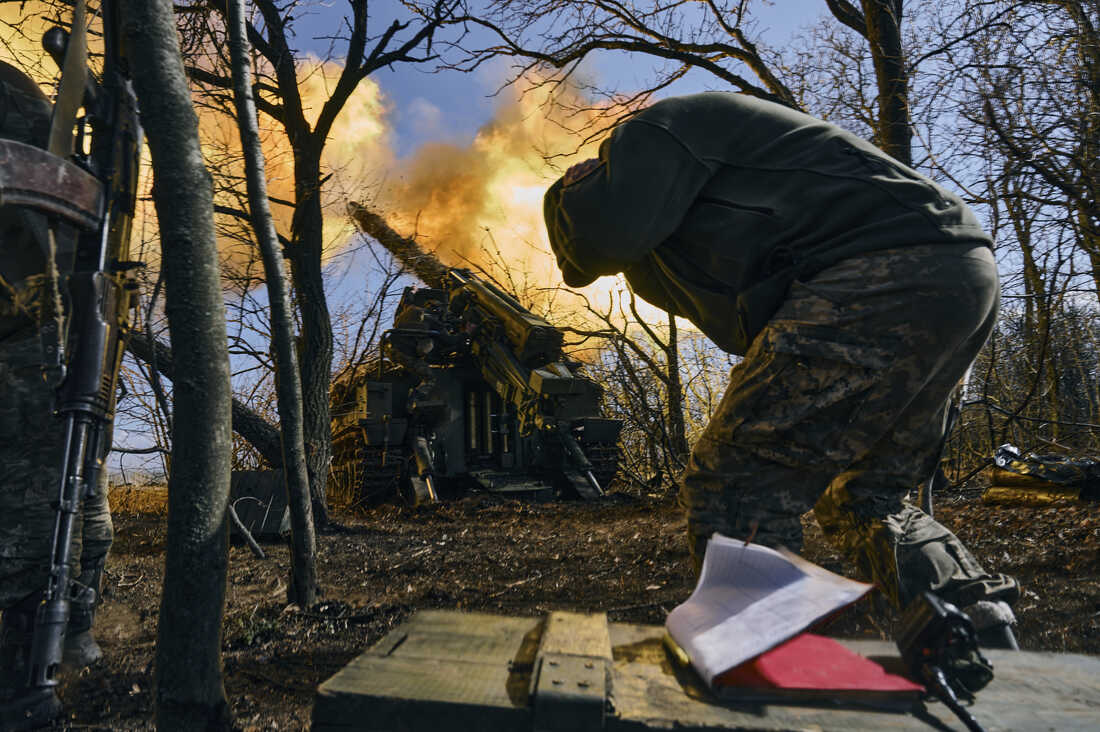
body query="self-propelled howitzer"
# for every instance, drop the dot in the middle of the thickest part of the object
(473, 390)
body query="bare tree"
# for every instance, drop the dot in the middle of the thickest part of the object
(189, 688)
(879, 23)
(712, 36)
(249, 425)
(1020, 84)
(1040, 87)
(279, 98)
(640, 368)
(548, 41)
(302, 588)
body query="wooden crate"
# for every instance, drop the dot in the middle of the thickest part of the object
(447, 670)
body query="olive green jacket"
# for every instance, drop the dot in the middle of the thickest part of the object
(712, 204)
(24, 117)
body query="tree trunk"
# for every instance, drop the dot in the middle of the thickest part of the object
(189, 693)
(677, 430)
(307, 228)
(1090, 239)
(883, 18)
(302, 587)
(316, 364)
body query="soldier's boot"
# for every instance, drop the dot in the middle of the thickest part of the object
(993, 621)
(22, 707)
(81, 649)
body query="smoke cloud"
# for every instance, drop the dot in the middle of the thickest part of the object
(481, 203)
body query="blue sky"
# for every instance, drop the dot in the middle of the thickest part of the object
(451, 106)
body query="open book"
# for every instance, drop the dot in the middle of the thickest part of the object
(750, 599)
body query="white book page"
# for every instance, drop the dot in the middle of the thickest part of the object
(750, 598)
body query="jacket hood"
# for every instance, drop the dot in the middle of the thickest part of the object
(571, 274)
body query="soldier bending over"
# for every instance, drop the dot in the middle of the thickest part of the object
(858, 291)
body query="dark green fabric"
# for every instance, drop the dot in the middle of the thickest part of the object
(712, 204)
(24, 109)
(24, 117)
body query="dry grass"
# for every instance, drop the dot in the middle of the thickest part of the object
(134, 500)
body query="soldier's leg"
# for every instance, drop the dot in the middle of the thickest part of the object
(81, 648)
(903, 550)
(792, 417)
(936, 339)
(827, 381)
(31, 444)
(900, 548)
(731, 485)
(895, 544)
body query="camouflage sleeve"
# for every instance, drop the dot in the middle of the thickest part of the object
(609, 218)
(24, 109)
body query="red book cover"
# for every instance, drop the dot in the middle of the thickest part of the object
(815, 667)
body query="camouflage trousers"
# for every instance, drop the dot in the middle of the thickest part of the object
(839, 406)
(31, 446)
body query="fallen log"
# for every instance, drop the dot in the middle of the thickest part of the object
(1015, 495)
(255, 430)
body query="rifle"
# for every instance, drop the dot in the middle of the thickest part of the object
(96, 194)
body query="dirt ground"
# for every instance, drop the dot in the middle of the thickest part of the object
(625, 556)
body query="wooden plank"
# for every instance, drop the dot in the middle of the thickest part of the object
(1030, 691)
(445, 635)
(569, 693)
(440, 670)
(576, 634)
(569, 686)
(395, 694)
(470, 672)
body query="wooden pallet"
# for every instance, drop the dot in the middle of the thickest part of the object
(445, 670)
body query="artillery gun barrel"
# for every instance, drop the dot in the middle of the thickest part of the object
(533, 339)
(425, 265)
(545, 399)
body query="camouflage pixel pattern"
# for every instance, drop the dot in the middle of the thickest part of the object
(31, 445)
(839, 407)
(31, 438)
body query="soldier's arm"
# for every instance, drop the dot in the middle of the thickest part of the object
(612, 215)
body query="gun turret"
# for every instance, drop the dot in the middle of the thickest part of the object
(506, 394)
(534, 341)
